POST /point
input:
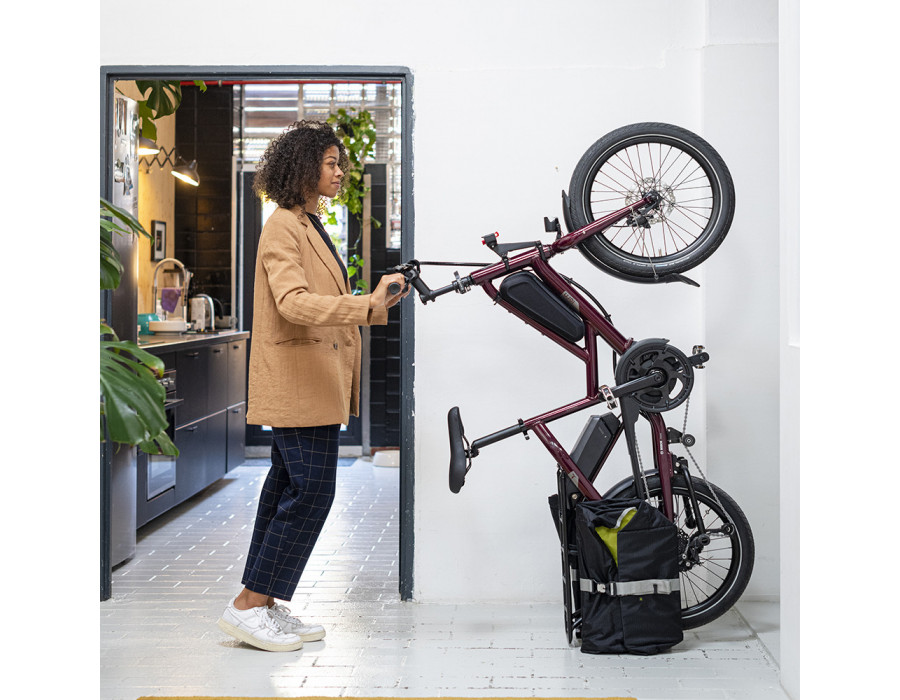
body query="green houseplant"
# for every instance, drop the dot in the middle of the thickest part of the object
(161, 98)
(131, 399)
(356, 128)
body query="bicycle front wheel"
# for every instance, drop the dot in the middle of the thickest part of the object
(694, 212)
(714, 578)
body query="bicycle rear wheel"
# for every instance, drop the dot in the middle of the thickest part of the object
(714, 579)
(691, 220)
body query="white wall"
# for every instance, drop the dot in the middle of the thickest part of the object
(507, 97)
(789, 342)
(840, 313)
(741, 294)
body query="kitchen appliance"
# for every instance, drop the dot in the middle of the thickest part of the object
(161, 468)
(203, 315)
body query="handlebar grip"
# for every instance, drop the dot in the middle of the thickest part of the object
(394, 288)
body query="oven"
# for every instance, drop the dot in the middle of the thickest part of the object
(161, 468)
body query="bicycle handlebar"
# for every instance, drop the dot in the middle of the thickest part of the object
(410, 270)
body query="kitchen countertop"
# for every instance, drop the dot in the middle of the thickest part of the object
(180, 341)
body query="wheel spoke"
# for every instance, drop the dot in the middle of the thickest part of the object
(677, 184)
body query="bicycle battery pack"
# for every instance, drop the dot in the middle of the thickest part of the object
(594, 444)
(526, 292)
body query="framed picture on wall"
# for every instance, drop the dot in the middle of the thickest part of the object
(158, 231)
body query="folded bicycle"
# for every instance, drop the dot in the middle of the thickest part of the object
(646, 203)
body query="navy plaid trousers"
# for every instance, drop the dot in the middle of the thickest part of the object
(295, 500)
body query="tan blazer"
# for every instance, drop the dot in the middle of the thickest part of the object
(305, 345)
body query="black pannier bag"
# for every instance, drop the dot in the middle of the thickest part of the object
(527, 293)
(628, 571)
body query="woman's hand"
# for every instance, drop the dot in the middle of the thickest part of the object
(382, 297)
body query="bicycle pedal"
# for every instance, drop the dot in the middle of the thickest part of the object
(607, 394)
(699, 357)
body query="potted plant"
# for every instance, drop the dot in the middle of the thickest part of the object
(131, 399)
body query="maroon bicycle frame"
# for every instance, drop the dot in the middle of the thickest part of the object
(595, 324)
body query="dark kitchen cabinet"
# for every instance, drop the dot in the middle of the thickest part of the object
(217, 378)
(237, 372)
(237, 432)
(190, 467)
(216, 444)
(193, 384)
(237, 403)
(209, 420)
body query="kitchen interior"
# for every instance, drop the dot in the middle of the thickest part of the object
(186, 293)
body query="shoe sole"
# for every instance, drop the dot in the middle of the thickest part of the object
(248, 638)
(312, 636)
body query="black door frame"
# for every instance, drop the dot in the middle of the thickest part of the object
(108, 76)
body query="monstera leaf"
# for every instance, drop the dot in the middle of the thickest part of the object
(132, 401)
(161, 98)
(110, 262)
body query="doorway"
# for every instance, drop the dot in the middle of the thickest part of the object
(260, 111)
(402, 235)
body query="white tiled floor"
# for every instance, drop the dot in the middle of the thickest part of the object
(159, 637)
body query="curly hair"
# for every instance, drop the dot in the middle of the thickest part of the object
(290, 167)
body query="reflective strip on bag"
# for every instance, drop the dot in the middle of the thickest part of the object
(657, 586)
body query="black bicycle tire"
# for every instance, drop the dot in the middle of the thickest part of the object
(738, 576)
(604, 254)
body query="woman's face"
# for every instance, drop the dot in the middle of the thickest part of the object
(330, 174)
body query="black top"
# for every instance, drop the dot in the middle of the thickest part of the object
(325, 237)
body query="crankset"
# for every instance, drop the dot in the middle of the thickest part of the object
(656, 355)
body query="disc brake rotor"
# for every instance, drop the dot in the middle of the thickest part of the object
(666, 198)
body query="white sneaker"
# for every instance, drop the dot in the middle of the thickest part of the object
(293, 625)
(259, 628)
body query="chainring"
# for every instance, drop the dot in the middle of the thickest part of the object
(655, 354)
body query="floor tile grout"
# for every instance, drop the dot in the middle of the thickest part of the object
(159, 637)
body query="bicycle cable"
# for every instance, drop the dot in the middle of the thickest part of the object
(454, 264)
(637, 451)
(605, 313)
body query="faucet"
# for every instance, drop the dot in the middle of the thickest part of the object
(185, 279)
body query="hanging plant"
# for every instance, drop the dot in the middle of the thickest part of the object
(356, 129)
(161, 98)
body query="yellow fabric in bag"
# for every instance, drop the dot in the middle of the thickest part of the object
(610, 535)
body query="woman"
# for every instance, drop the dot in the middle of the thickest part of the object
(303, 380)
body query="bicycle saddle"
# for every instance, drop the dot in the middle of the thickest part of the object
(458, 455)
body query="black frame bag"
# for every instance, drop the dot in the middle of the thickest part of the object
(628, 570)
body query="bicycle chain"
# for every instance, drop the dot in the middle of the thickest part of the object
(637, 450)
(687, 407)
